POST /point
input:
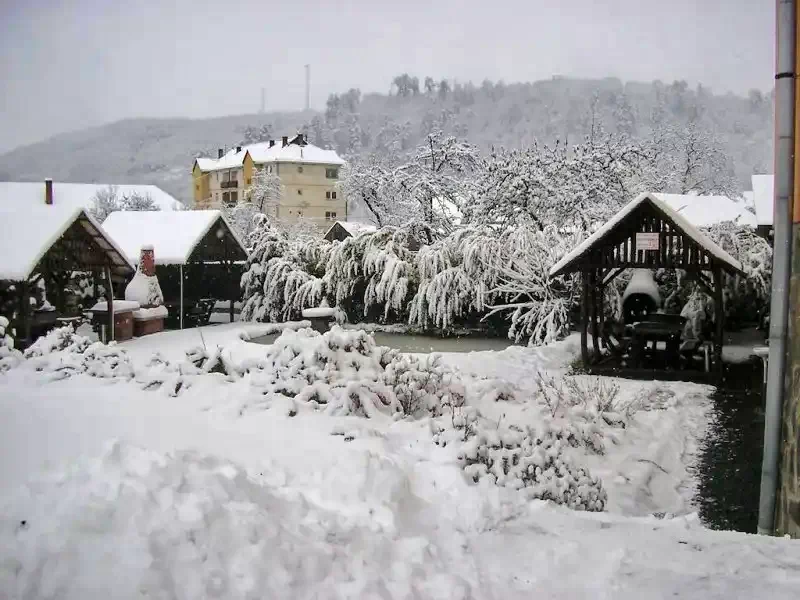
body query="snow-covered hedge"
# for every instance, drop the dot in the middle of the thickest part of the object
(345, 372)
(340, 372)
(534, 463)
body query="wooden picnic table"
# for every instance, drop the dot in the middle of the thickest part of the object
(665, 329)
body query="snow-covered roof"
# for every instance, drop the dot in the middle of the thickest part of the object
(173, 235)
(352, 227)
(28, 230)
(705, 211)
(230, 160)
(680, 221)
(763, 198)
(78, 195)
(262, 153)
(294, 153)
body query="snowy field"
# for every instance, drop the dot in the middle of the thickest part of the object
(329, 468)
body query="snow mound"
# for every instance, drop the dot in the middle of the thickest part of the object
(134, 524)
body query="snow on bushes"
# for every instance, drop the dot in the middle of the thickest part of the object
(9, 357)
(63, 353)
(534, 463)
(345, 372)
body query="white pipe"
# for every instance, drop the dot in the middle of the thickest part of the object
(781, 261)
(180, 269)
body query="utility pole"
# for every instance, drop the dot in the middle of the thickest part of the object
(781, 341)
(308, 87)
(787, 519)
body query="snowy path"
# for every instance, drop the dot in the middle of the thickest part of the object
(268, 505)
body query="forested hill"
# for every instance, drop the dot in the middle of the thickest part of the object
(160, 151)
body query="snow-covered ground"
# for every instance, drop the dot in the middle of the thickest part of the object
(110, 489)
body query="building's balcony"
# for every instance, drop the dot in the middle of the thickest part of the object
(229, 184)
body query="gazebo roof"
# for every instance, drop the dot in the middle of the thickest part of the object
(174, 235)
(28, 231)
(645, 214)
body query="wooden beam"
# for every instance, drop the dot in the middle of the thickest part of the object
(719, 313)
(25, 313)
(110, 302)
(585, 318)
(594, 317)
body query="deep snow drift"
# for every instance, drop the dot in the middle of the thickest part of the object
(265, 475)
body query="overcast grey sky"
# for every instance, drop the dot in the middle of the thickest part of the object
(74, 63)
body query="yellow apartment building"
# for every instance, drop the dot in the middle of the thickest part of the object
(308, 177)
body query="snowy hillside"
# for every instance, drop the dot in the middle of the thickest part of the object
(160, 151)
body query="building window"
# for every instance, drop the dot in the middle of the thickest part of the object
(299, 192)
(217, 175)
(299, 169)
(332, 173)
(226, 198)
(234, 197)
(248, 181)
(333, 195)
(330, 216)
(328, 195)
(268, 168)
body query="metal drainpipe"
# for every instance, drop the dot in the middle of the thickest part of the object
(781, 262)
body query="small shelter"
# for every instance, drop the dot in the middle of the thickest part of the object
(645, 234)
(46, 241)
(341, 230)
(195, 246)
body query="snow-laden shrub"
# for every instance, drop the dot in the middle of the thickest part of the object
(533, 462)
(422, 383)
(9, 356)
(345, 372)
(63, 353)
(580, 410)
(60, 339)
(340, 370)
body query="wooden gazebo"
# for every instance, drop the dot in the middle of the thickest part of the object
(50, 242)
(645, 234)
(194, 247)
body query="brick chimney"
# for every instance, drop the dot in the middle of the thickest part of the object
(219, 152)
(147, 261)
(271, 143)
(285, 140)
(48, 191)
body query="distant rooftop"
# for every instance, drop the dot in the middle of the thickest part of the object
(763, 190)
(705, 211)
(294, 150)
(78, 195)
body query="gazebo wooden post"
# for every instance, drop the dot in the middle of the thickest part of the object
(585, 317)
(109, 301)
(601, 309)
(25, 313)
(719, 313)
(593, 305)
